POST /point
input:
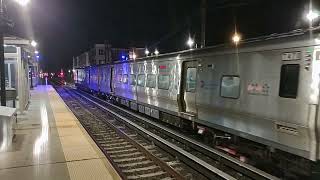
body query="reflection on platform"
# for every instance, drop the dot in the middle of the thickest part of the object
(40, 145)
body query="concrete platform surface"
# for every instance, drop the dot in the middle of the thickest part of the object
(50, 143)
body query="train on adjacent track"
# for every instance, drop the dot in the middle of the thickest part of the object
(258, 100)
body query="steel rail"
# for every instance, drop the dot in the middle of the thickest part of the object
(157, 161)
(234, 163)
(200, 165)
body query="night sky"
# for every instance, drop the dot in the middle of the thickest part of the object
(66, 28)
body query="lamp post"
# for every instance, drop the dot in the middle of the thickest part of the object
(3, 24)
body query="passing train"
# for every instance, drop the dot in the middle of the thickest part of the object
(259, 99)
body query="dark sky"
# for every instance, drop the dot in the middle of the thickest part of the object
(65, 28)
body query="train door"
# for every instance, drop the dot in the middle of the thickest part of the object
(99, 78)
(111, 80)
(189, 85)
(88, 77)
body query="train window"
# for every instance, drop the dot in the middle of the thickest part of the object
(151, 81)
(289, 80)
(141, 79)
(125, 78)
(119, 78)
(230, 87)
(163, 82)
(88, 77)
(132, 79)
(191, 79)
(101, 52)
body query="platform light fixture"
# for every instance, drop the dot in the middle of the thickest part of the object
(22, 2)
(156, 52)
(34, 43)
(190, 42)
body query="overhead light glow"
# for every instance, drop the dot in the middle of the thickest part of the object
(236, 38)
(156, 52)
(312, 15)
(22, 2)
(36, 52)
(34, 43)
(147, 52)
(190, 42)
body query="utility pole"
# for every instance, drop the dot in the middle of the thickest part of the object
(203, 22)
(2, 65)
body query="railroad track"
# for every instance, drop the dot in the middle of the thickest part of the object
(130, 153)
(207, 161)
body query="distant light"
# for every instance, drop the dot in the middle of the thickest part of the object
(22, 2)
(34, 43)
(36, 52)
(156, 52)
(146, 52)
(29, 56)
(123, 57)
(236, 38)
(190, 42)
(312, 15)
(178, 57)
(134, 56)
(69, 71)
(38, 56)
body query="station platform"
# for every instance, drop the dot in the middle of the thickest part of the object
(50, 143)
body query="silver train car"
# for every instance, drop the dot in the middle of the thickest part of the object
(265, 91)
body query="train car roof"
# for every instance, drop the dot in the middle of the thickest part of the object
(294, 39)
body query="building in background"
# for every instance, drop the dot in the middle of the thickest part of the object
(104, 54)
(97, 54)
(81, 61)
